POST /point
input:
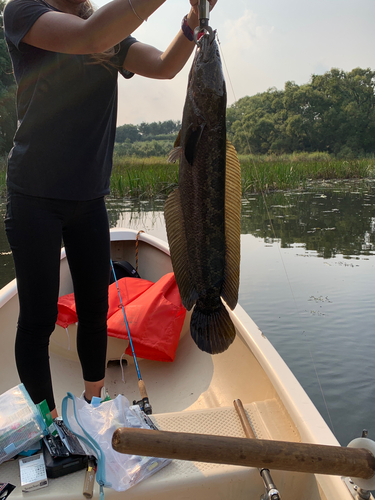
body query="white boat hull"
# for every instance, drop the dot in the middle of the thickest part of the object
(195, 393)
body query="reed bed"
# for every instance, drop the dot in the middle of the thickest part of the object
(154, 177)
(143, 177)
(295, 171)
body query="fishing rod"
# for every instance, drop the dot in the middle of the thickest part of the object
(144, 403)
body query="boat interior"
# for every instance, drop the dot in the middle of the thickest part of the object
(194, 393)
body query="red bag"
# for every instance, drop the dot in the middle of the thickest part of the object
(154, 314)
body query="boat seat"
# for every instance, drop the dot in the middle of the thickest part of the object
(268, 420)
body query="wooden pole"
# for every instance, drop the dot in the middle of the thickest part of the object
(260, 453)
(249, 433)
(248, 430)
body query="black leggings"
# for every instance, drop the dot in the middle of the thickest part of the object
(35, 228)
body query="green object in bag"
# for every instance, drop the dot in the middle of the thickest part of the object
(47, 417)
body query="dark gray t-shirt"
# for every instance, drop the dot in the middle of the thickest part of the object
(67, 108)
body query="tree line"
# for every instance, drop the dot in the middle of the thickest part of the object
(147, 131)
(334, 113)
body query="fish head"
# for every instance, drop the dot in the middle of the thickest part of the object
(206, 81)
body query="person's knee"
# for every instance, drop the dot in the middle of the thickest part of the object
(34, 331)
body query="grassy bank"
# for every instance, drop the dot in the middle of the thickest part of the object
(154, 177)
(268, 173)
(143, 177)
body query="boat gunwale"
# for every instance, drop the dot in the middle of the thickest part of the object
(117, 234)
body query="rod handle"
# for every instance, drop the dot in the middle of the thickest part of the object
(142, 389)
(145, 403)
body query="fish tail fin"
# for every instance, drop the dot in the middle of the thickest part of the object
(212, 330)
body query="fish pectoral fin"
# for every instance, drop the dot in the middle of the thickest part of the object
(177, 142)
(232, 227)
(193, 137)
(175, 154)
(178, 248)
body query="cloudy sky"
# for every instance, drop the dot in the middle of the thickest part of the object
(263, 44)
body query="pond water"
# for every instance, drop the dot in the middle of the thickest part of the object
(307, 280)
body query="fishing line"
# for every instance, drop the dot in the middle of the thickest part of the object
(137, 248)
(274, 234)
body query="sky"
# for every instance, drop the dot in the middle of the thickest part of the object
(263, 44)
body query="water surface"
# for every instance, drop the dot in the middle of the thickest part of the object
(307, 274)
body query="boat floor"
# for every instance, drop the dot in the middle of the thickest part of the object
(190, 479)
(200, 401)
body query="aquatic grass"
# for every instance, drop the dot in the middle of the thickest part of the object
(154, 177)
(143, 177)
(295, 171)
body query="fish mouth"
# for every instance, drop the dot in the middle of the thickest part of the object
(202, 32)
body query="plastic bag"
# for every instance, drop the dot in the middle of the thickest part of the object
(21, 424)
(96, 425)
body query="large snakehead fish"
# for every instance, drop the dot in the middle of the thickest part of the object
(203, 214)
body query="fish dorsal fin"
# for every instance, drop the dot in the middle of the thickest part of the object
(232, 227)
(176, 234)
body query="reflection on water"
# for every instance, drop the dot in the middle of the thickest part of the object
(318, 312)
(146, 215)
(331, 219)
(327, 219)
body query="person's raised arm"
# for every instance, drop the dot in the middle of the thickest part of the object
(148, 61)
(66, 32)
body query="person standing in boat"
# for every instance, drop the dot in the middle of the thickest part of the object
(66, 58)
